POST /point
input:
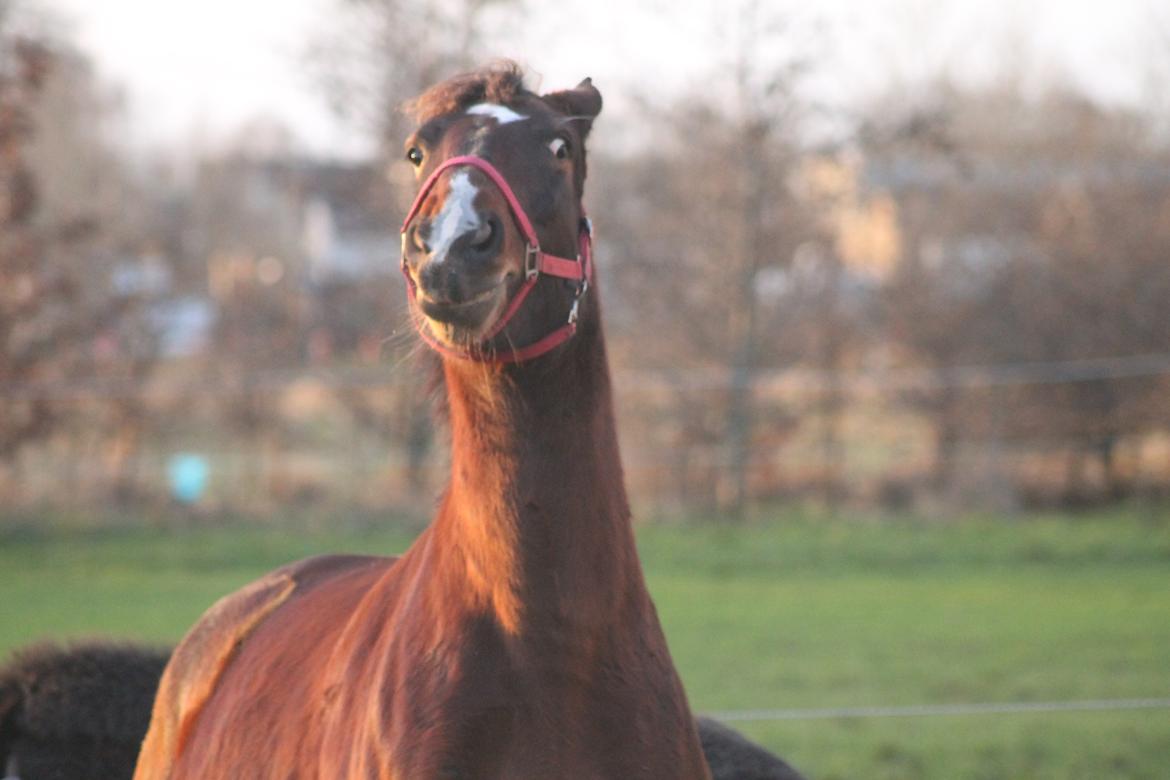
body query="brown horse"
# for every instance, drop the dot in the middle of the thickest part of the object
(515, 638)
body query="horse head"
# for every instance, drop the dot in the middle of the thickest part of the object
(496, 248)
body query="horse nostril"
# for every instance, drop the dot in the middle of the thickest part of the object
(482, 238)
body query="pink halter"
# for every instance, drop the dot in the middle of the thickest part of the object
(536, 262)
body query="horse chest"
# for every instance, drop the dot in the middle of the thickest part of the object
(479, 707)
(413, 709)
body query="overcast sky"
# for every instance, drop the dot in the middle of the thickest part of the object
(201, 69)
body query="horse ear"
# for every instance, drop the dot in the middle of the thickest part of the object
(582, 102)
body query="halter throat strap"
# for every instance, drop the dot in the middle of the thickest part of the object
(536, 263)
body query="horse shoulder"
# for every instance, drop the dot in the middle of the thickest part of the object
(205, 652)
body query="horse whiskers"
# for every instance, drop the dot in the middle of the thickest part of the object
(512, 346)
(415, 352)
(401, 347)
(400, 335)
(404, 344)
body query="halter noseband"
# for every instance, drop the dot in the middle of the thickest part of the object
(536, 262)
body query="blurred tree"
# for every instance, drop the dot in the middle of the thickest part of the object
(25, 289)
(1034, 239)
(62, 320)
(706, 217)
(378, 54)
(244, 224)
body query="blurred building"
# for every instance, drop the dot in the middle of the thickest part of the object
(348, 224)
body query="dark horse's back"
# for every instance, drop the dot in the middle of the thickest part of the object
(76, 712)
(732, 756)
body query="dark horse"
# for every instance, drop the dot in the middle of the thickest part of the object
(516, 637)
(76, 713)
(80, 713)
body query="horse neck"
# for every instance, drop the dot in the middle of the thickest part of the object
(536, 509)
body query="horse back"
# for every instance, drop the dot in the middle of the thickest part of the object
(243, 657)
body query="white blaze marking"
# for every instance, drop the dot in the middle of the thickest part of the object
(457, 215)
(502, 114)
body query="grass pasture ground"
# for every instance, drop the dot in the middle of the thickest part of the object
(787, 613)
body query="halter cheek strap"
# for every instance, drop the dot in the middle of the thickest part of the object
(536, 263)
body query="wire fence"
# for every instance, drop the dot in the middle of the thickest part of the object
(692, 379)
(355, 434)
(945, 710)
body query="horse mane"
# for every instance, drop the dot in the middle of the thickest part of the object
(497, 82)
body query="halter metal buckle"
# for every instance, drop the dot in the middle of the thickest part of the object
(531, 267)
(584, 288)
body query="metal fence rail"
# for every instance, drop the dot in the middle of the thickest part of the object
(695, 379)
(945, 710)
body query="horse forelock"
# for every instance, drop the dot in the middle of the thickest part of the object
(500, 82)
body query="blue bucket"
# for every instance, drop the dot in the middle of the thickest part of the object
(187, 475)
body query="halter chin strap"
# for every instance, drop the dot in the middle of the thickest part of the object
(536, 263)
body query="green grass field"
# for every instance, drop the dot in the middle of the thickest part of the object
(785, 613)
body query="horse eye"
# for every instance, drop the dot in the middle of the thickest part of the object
(415, 155)
(559, 147)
